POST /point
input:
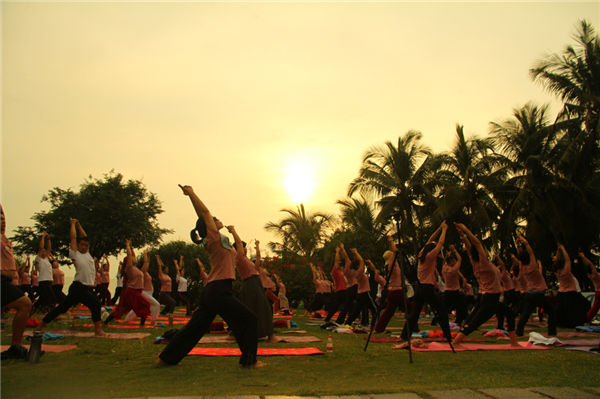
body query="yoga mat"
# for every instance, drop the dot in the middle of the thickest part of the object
(575, 334)
(595, 329)
(441, 347)
(231, 340)
(294, 332)
(587, 349)
(128, 327)
(47, 348)
(260, 351)
(86, 334)
(282, 316)
(397, 339)
(580, 342)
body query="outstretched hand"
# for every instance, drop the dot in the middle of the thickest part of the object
(187, 190)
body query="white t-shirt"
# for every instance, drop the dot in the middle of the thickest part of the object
(85, 268)
(119, 280)
(44, 268)
(181, 284)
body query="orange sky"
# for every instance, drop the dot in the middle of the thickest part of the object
(223, 96)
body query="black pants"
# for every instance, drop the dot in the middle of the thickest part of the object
(456, 300)
(117, 295)
(78, 293)
(166, 299)
(217, 299)
(47, 298)
(363, 301)
(26, 288)
(427, 293)
(321, 300)
(532, 300)
(337, 302)
(58, 292)
(351, 294)
(571, 309)
(487, 307)
(508, 308)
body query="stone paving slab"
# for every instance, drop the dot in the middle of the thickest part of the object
(564, 393)
(512, 393)
(400, 395)
(457, 394)
(290, 397)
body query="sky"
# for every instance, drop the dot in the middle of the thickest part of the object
(237, 99)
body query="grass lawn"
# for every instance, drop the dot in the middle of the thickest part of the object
(110, 368)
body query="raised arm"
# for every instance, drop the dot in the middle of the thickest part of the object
(391, 243)
(42, 246)
(146, 263)
(201, 209)
(203, 274)
(181, 265)
(588, 263)
(361, 262)
(565, 254)
(48, 245)
(474, 240)
(347, 261)
(458, 257)
(258, 257)
(160, 265)
(80, 230)
(73, 234)
(435, 233)
(532, 258)
(239, 245)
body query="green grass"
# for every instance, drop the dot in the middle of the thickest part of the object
(108, 368)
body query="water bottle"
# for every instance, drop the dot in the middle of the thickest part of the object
(35, 349)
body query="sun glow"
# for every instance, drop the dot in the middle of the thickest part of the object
(300, 180)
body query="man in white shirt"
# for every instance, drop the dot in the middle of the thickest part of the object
(80, 290)
(42, 264)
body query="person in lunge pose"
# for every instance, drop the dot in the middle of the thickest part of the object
(571, 306)
(490, 287)
(42, 264)
(80, 291)
(217, 298)
(12, 297)
(536, 288)
(322, 296)
(182, 285)
(147, 291)
(363, 299)
(165, 297)
(339, 291)
(58, 279)
(425, 291)
(452, 295)
(593, 275)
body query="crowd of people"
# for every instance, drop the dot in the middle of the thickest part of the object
(510, 291)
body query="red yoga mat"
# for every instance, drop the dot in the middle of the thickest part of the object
(230, 340)
(47, 348)
(260, 351)
(440, 347)
(90, 334)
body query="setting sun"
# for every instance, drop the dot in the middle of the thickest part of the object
(300, 180)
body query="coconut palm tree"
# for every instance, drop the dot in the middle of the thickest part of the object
(400, 177)
(471, 173)
(300, 231)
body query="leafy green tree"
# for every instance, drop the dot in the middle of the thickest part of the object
(301, 232)
(109, 209)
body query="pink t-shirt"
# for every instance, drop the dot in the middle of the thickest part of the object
(25, 278)
(351, 276)
(222, 260)
(363, 282)
(468, 289)
(58, 276)
(488, 276)
(566, 280)
(7, 259)
(165, 283)
(339, 281)
(450, 274)
(148, 282)
(105, 275)
(265, 280)
(245, 266)
(395, 279)
(35, 280)
(426, 270)
(533, 277)
(135, 278)
(507, 281)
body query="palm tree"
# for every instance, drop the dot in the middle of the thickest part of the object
(470, 176)
(300, 231)
(575, 77)
(400, 176)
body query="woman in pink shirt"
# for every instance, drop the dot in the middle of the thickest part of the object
(252, 293)
(104, 281)
(132, 298)
(490, 287)
(536, 288)
(269, 286)
(217, 296)
(350, 273)
(426, 291)
(394, 297)
(594, 276)
(25, 277)
(322, 291)
(453, 298)
(147, 292)
(165, 297)
(363, 298)
(339, 292)
(571, 306)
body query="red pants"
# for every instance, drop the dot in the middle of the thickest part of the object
(595, 307)
(132, 299)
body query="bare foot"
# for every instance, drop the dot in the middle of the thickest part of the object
(256, 365)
